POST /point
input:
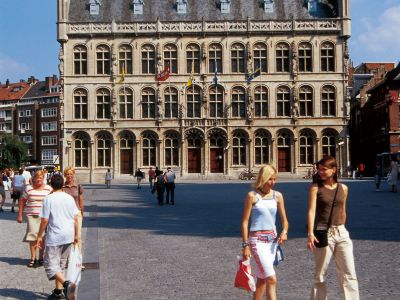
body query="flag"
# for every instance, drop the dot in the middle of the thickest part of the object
(191, 78)
(253, 75)
(122, 79)
(215, 79)
(164, 74)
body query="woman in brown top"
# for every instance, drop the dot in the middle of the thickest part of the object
(327, 210)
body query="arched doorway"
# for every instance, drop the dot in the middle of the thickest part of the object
(284, 142)
(217, 139)
(194, 139)
(126, 146)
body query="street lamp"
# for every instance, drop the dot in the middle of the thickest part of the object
(340, 145)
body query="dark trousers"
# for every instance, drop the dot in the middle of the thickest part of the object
(170, 191)
(160, 196)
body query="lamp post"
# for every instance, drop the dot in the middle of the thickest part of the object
(340, 146)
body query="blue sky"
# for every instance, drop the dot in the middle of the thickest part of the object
(28, 39)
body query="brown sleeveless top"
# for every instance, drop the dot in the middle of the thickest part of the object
(324, 204)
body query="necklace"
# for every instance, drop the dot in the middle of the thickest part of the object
(262, 191)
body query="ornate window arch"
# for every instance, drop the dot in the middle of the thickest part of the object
(149, 148)
(237, 58)
(260, 57)
(126, 103)
(239, 147)
(327, 57)
(216, 100)
(171, 144)
(171, 102)
(125, 58)
(282, 57)
(171, 57)
(261, 101)
(103, 60)
(193, 102)
(306, 144)
(148, 103)
(104, 144)
(328, 99)
(262, 147)
(238, 102)
(283, 101)
(81, 150)
(126, 140)
(284, 139)
(305, 57)
(329, 142)
(148, 59)
(193, 58)
(306, 102)
(80, 60)
(215, 58)
(103, 104)
(80, 104)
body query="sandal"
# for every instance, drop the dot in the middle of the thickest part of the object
(32, 263)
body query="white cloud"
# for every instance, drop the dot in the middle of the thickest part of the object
(11, 69)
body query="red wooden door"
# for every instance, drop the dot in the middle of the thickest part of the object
(194, 160)
(216, 160)
(126, 159)
(284, 159)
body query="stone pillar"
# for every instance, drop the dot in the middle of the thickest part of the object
(295, 155)
(206, 155)
(92, 160)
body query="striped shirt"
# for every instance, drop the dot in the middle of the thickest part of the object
(34, 199)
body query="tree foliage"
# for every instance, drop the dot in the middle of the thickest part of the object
(14, 152)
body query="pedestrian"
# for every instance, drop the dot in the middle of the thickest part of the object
(139, 176)
(108, 178)
(18, 187)
(159, 186)
(27, 175)
(31, 202)
(3, 184)
(59, 216)
(170, 185)
(327, 234)
(152, 174)
(361, 170)
(394, 172)
(378, 176)
(261, 239)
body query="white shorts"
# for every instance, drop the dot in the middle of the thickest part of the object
(263, 249)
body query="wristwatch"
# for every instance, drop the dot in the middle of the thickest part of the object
(245, 244)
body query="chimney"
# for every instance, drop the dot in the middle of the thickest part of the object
(31, 80)
(7, 83)
(49, 83)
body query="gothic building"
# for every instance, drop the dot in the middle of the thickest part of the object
(251, 82)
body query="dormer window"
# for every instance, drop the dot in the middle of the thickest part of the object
(138, 7)
(225, 6)
(181, 6)
(268, 6)
(94, 7)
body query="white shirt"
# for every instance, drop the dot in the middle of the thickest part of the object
(19, 181)
(27, 176)
(108, 176)
(60, 209)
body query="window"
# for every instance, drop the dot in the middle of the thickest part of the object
(5, 126)
(171, 58)
(80, 104)
(49, 112)
(261, 147)
(171, 149)
(215, 58)
(305, 57)
(103, 104)
(193, 58)
(148, 60)
(328, 143)
(103, 150)
(47, 154)
(81, 145)
(238, 102)
(283, 101)
(193, 102)
(149, 149)
(328, 101)
(22, 113)
(80, 60)
(25, 126)
(260, 57)
(327, 57)
(306, 101)
(239, 149)
(306, 148)
(237, 58)
(148, 103)
(126, 103)
(7, 114)
(103, 60)
(171, 102)
(282, 57)
(28, 112)
(216, 102)
(49, 140)
(125, 59)
(261, 101)
(26, 139)
(49, 126)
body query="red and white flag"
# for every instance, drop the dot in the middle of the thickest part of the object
(164, 74)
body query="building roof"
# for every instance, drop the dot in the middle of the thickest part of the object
(369, 67)
(13, 91)
(40, 90)
(197, 10)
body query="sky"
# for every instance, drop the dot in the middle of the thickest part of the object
(28, 36)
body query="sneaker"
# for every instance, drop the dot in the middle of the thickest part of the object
(69, 290)
(55, 295)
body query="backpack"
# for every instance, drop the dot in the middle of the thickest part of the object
(160, 182)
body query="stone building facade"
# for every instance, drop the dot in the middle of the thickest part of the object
(115, 114)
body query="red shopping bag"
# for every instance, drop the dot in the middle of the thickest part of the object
(244, 279)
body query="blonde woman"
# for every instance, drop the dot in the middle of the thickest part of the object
(260, 239)
(31, 202)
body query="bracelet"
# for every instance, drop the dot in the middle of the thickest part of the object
(245, 244)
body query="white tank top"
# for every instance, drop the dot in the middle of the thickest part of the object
(263, 213)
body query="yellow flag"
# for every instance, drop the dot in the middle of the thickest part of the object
(191, 78)
(122, 79)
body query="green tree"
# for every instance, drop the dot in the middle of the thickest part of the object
(14, 152)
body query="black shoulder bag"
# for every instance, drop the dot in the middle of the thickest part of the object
(322, 235)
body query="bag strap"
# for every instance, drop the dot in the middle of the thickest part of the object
(333, 204)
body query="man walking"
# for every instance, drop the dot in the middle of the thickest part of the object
(139, 176)
(170, 184)
(152, 174)
(60, 216)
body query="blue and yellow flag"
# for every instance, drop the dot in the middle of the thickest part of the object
(215, 79)
(122, 79)
(253, 75)
(191, 78)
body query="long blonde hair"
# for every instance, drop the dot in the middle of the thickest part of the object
(265, 173)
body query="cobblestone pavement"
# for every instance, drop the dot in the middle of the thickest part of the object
(188, 251)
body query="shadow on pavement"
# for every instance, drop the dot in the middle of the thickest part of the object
(21, 294)
(14, 261)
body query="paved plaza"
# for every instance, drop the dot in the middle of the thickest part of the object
(139, 250)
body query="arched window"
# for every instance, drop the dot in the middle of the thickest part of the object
(261, 147)
(171, 149)
(261, 101)
(193, 102)
(215, 58)
(171, 58)
(237, 58)
(148, 103)
(327, 57)
(260, 57)
(328, 143)
(80, 60)
(306, 148)
(81, 148)
(328, 101)
(305, 57)
(216, 101)
(149, 149)
(239, 142)
(126, 141)
(126, 103)
(104, 143)
(148, 59)
(193, 58)
(125, 59)
(103, 104)
(306, 101)
(103, 60)
(282, 57)
(80, 104)
(238, 102)
(171, 102)
(283, 101)
(283, 139)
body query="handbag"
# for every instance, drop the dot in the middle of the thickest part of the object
(74, 265)
(244, 279)
(279, 256)
(322, 235)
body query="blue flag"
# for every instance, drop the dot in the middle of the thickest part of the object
(253, 75)
(215, 79)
